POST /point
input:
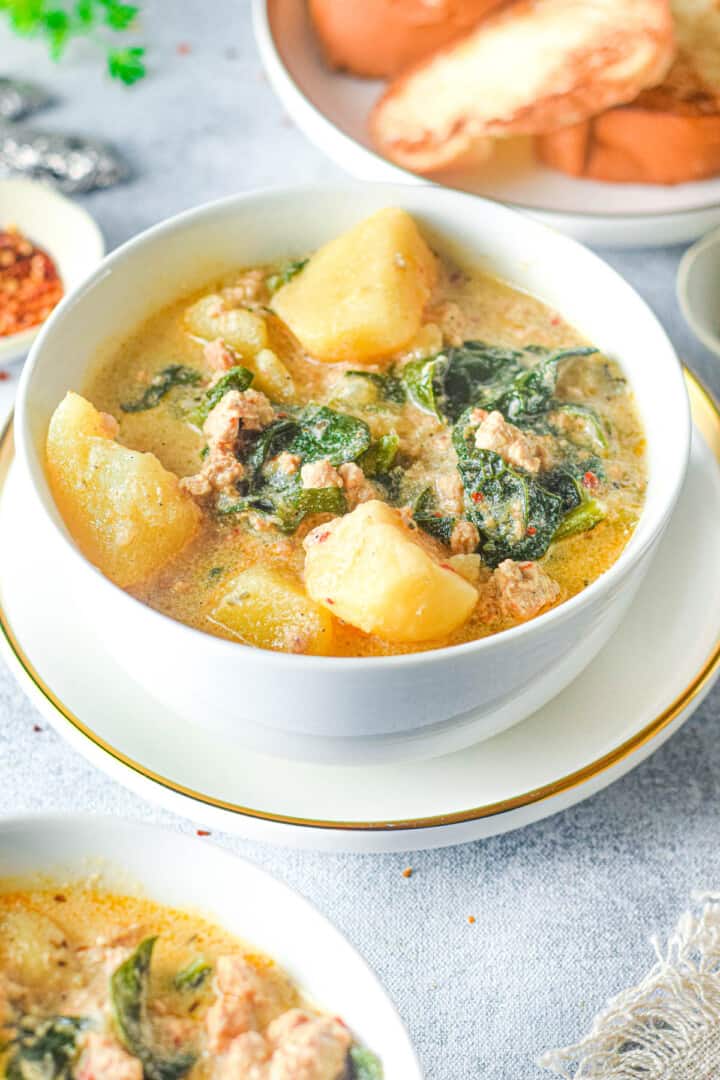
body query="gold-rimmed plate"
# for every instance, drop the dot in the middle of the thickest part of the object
(639, 690)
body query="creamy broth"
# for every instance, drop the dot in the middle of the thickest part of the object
(60, 950)
(464, 306)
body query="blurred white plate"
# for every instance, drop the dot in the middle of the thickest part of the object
(61, 228)
(241, 897)
(637, 692)
(698, 288)
(332, 109)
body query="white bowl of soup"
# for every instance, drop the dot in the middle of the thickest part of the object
(127, 950)
(354, 463)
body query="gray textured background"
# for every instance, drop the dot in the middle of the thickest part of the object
(564, 908)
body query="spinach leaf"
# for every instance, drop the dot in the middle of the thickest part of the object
(160, 385)
(423, 382)
(581, 511)
(364, 1065)
(487, 376)
(288, 507)
(473, 368)
(237, 378)
(129, 986)
(314, 433)
(379, 457)
(392, 481)
(324, 434)
(566, 480)
(291, 506)
(429, 518)
(194, 974)
(530, 391)
(515, 515)
(389, 386)
(585, 516)
(270, 441)
(594, 425)
(45, 1050)
(285, 274)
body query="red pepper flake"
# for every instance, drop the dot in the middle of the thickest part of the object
(322, 537)
(30, 285)
(3, 376)
(437, 514)
(531, 530)
(328, 600)
(471, 919)
(183, 48)
(202, 832)
(590, 480)
(555, 321)
(408, 871)
(60, 898)
(477, 496)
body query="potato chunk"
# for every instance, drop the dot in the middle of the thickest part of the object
(361, 297)
(31, 947)
(210, 318)
(265, 608)
(124, 510)
(369, 569)
(271, 376)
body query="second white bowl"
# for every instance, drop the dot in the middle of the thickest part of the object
(698, 288)
(178, 871)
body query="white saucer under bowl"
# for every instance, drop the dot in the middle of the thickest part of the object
(637, 692)
(332, 109)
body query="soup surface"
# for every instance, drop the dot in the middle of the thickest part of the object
(98, 986)
(389, 452)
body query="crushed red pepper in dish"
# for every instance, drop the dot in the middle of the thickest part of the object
(30, 286)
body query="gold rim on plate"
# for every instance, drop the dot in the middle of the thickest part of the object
(706, 417)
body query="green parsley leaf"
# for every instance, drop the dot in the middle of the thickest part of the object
(127, 64)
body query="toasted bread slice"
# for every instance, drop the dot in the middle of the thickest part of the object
(378, 38)
(671, 133)
(533, 66)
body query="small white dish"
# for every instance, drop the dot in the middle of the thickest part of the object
(285, 703)
(332, 109)
(698, 290)
(244, 899)
(61, 228)
(638, 691)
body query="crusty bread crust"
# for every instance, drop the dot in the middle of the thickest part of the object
(532, 67)
(671, 133)
(636, 146)
(378, 38)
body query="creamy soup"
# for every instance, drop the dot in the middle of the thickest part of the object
(97, 986)
(389, 456)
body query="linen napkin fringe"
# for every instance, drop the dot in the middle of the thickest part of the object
(668, 1026)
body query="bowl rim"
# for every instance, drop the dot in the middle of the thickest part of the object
(630, 556)
(707, 338)
(155, 835)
